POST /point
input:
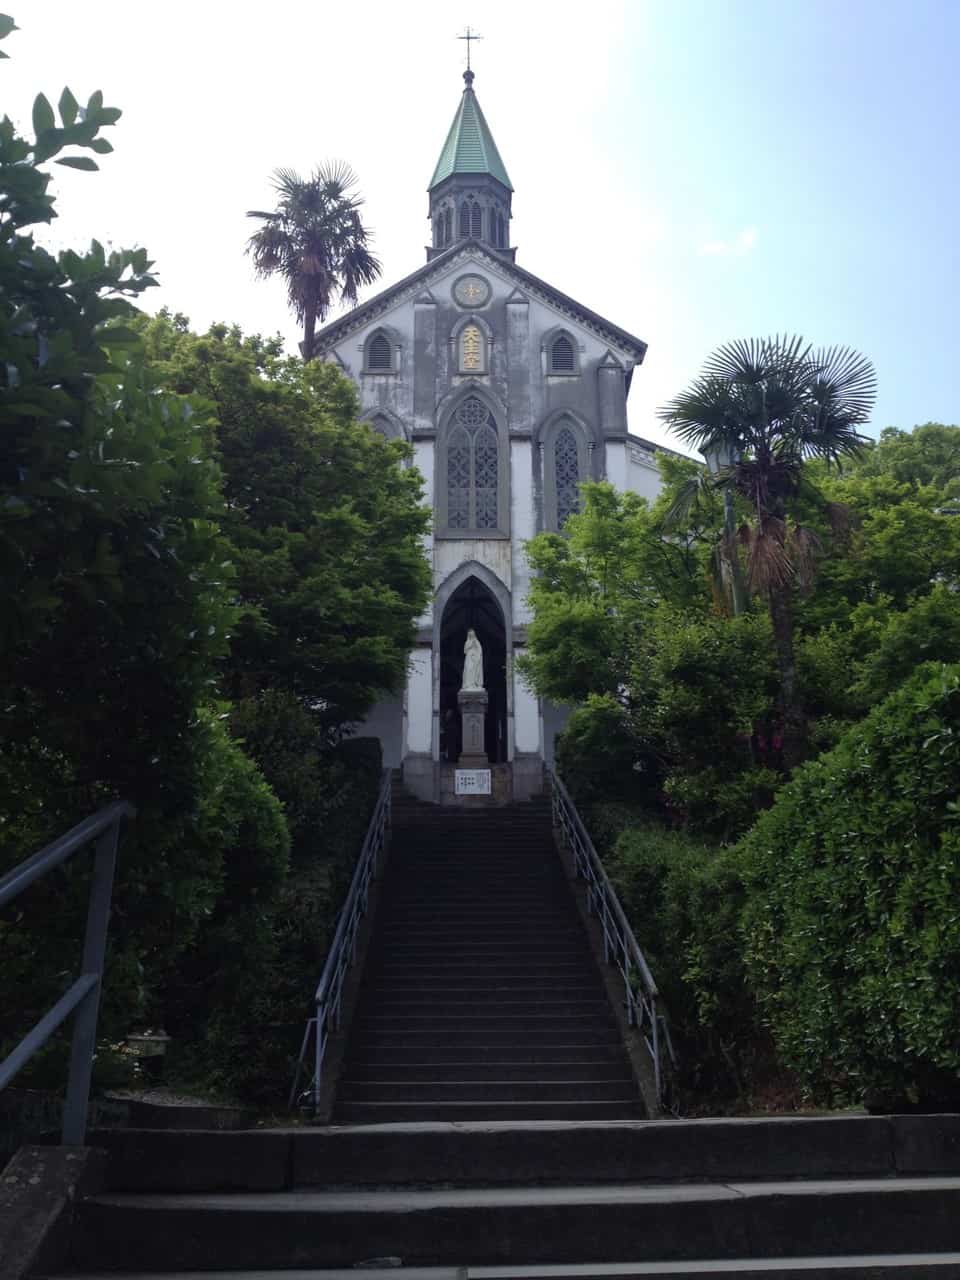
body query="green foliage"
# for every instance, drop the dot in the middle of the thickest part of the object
(597, 756)
(121, 566)
(683, 900)
(324, 519)
(253, 1022)
(851, 925)
(928, 631)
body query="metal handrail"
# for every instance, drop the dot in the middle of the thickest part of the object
(620, 946)
(343, 948)
(84, 994)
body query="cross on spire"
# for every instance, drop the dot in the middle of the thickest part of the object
(470, 35)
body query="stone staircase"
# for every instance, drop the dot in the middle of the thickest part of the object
(850, 1197)
(481, 998)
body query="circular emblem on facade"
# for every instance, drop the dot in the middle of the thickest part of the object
(471, 291)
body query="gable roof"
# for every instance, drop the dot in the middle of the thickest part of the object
(469, 147)
(410, 285)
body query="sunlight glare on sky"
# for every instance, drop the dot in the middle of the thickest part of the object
(694, 170)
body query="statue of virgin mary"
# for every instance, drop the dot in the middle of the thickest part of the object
(472, 664)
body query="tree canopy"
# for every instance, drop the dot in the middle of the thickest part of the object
(316, 240)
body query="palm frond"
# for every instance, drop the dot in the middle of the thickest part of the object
(804, 549)
(768, 564)
(690, 495)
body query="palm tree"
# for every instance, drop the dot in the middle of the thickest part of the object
(765, 406)
(316, 241)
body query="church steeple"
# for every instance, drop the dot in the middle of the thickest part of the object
(470, 191)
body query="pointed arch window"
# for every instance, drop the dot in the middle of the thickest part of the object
(447, 224)
(472, 352)
(473, 469)
(464, 221)
(378, 354)
(475, 221)
(562, 355)
(566, 473)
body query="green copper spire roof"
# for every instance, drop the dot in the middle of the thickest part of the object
(469, 147)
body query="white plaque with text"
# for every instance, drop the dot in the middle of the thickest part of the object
(472, 782)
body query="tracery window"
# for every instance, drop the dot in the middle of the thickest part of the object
(471, 350)
(473, 468)
(566, 463)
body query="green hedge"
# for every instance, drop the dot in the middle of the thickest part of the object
(683, 900)
(852, 922)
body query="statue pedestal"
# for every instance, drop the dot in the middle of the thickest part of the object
(473, 717)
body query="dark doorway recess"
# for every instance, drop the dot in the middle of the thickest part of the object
(472, 605)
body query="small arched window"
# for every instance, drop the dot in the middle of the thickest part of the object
(473, 468)
(471, 350)
(464, 221)
(475, 223)
(447, 224)
(566, 465)
(500, 239)
(379, 354)
(562, 357)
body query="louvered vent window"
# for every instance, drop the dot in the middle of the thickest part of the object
(464, 220)
(561, 356)
(473, 468)
(475, 229)
(379, 354)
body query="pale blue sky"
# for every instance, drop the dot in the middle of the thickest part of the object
(696, 170)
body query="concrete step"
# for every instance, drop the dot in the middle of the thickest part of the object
(517, 1226)
(513, 947)
(375, 1038)
(381, 1068)
(497, 970)
(467, 1020)
(571, 1110)
(497, 1005)
(470, 1089)
(899, 1266)
(511, 1153)
(492, 934)
(442, 987)
(389, 1051)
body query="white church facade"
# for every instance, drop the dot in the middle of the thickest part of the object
(511, 395)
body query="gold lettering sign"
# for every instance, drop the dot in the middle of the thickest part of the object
(470, 348)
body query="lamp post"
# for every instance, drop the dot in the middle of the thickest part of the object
(718, 459)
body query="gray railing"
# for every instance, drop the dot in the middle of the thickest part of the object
(620, 946)
(84, 994)
(343, 949)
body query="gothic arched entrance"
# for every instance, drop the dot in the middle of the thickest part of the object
(473, 605)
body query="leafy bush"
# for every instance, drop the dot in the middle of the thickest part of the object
(598, 756)
(699, 693)
(851, 921)
(256, 1006)
(683, 900)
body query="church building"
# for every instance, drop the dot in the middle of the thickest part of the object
(511, 394)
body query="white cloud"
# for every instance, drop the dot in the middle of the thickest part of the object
(740, 245)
